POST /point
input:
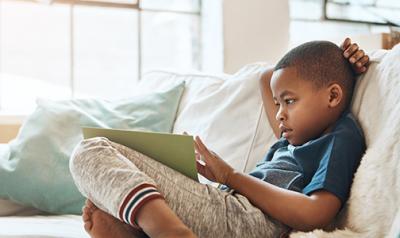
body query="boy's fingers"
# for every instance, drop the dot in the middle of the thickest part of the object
(356, 56)
(203, 149)
(200, 168)
(345, 43)
(350, 50)
(198, 147)
(195, 145)
(363, 61)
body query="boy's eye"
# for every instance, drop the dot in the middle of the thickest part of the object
(276, 103)
(289, 101)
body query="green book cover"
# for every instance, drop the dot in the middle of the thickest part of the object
(172, 150)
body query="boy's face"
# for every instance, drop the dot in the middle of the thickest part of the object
(303, 110)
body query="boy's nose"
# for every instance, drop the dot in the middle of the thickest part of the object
(280, 115)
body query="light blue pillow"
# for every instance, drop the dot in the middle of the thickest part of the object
(35, 171)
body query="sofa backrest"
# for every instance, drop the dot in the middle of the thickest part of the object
(375, 196)
(226, 111)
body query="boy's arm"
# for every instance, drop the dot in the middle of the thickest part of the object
(297, 210)
(356, 56)
(269, 105)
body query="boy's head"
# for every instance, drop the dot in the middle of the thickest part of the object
(312, 85)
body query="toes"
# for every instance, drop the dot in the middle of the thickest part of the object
(90, 205)
(88, 226)
(86, 210)
(85, 217)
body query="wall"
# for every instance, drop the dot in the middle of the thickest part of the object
(254, 30)
(9, 126)
(236, 32)
(8, 132)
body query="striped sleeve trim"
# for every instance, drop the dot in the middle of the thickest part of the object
(136, 199)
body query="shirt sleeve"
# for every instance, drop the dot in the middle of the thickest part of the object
(338, 165)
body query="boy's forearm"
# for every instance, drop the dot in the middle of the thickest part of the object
(292, 208)
(269, 105)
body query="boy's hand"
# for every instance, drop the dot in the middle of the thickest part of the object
(210, 165)
(357, 58)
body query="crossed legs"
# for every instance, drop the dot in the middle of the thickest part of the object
(100, 224)
(128, 187)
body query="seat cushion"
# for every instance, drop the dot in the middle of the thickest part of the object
(68, 226)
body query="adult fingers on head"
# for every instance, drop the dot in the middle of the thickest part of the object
(345, 43)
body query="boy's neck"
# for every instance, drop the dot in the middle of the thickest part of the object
(332, 125)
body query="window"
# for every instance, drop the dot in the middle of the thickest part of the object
(381, 12)
(93, 48)
(335, 19)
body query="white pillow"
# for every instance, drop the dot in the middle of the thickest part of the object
(226, 111)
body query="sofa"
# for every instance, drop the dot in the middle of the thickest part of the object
(226, 111)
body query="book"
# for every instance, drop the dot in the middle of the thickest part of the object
(173, 150)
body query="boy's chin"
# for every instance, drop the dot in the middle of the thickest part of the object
(294, 142)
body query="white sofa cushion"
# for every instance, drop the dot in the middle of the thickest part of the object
(66, 226)
(225, 111)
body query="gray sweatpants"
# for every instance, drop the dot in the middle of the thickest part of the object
(120, 180)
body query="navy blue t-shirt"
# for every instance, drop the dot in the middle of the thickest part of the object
(326, 163)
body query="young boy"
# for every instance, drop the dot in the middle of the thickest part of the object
(302, 183)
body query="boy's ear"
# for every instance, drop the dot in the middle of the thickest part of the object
(335, 95)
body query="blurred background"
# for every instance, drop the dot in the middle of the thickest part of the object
(65, 49)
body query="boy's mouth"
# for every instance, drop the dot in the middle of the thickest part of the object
(285, 131)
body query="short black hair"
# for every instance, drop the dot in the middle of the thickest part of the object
(323, 63)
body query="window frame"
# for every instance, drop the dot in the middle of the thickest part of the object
(110, 4)
(326, 17)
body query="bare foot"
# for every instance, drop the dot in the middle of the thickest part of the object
(100, 224)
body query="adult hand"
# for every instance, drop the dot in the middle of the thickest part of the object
(356, 56)
(210, 165)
